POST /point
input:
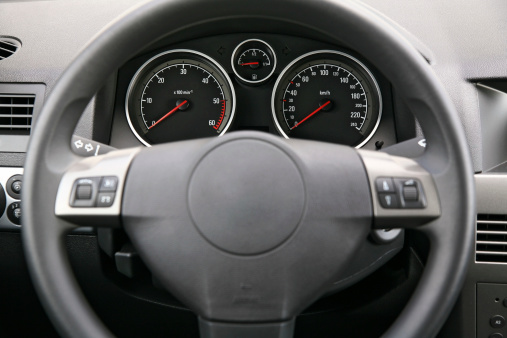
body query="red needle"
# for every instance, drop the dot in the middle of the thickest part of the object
(168, 114)
(249, 63)
(314, 112)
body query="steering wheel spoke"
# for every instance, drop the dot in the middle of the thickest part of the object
(90, 191)
(284, 329)
(404, 194)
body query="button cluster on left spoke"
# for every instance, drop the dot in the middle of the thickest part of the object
(90, 192)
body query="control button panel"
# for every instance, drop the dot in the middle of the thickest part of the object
(400, 193)
(491, 310)
(11, 182)
(94, 192)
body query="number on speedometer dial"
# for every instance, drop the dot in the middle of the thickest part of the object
(327, 96)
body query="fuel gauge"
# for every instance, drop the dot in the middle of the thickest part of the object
(253, 61)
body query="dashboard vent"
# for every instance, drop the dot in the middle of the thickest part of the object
(16, 111)
(8, 47)
(491, 239)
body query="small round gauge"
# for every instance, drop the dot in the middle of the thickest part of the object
(179, 95)
(253, 61)
(327, 96)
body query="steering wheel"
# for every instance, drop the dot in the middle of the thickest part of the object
(297, 211)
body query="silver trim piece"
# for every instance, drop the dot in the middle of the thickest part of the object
(234, 56)
(487, 232)
(491, 242)
(208, 58)
(499, 253)
(482, 221)
(325, 51)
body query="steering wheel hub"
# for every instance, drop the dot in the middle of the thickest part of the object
(232, 200)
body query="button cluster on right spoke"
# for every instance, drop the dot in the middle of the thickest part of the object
(400, 193)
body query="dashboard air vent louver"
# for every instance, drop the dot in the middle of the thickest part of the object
(8, 47)
(16, 111)
(491, 239)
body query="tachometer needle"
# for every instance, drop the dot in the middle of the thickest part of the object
(311, 114)
(249, 63)
(168, 114)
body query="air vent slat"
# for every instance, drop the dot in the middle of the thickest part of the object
(16, 112)
(7, 50)
(491, 239)
(8, 43)
(491, 232)
(8, 47)
(16, 116)
(491, 242)
(492, 253)
(8, 126)
(17, 105)
(28, 96)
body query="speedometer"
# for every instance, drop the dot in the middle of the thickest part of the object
(327, 96)
(179, 95)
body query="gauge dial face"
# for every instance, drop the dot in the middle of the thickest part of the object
(253, 61)
(179, 95)
(327, 96)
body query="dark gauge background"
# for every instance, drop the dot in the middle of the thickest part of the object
(353, 112)
(167, 80)
(249, 51)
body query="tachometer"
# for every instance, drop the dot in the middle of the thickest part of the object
(327, 96)
(179, 95)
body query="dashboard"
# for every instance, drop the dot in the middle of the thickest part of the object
(279, 84)
(210, 83)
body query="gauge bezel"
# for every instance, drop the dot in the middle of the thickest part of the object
(143, 67)
(326, 51)
(233, 57)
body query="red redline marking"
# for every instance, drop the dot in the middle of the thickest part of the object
(221, 118)
(311, 114)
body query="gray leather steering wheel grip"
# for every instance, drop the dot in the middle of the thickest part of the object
(446, 158)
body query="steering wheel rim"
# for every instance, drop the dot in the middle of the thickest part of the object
(446, 157)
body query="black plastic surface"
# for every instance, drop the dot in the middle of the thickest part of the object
(491, 311)
(129, 312)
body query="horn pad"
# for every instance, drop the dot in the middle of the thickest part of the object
(252, 201)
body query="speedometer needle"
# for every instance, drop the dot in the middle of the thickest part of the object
(249, 63)
(311, 114)
(168, 114)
